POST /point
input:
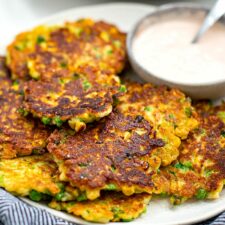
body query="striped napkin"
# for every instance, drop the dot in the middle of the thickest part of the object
(15, 212)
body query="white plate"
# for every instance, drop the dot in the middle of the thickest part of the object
(159, 212)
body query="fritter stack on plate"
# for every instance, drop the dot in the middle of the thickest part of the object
(114, 145)
(199, 171)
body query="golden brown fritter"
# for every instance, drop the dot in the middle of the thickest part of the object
(109, 207)
(24, 174)
(19, 135)
(47, 51)
(110, 155)
(85, 98)
(200, 169)
(169, 111)
(35, 176)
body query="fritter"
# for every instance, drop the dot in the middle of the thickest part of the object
(45, 51)
(199, 171)
(24, 175)
(84, 99)
(36, 176)
(169, 111)
(110, 155)
(19, 135)
(109, 207)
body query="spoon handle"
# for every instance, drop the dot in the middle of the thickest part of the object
(215, 13)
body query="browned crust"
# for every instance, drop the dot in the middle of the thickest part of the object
(106, 154)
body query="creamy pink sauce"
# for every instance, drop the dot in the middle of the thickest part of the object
(165, 50)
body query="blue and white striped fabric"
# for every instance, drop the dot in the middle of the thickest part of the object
(15, 212)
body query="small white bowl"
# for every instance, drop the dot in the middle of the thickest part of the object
(212, 90)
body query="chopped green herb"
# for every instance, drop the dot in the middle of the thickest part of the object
(122, 88)
(57, 121)
(148, 108)
(171, 116)
(61, 187)
(82, 197)
(208, 172)
(40, 39)
(201, 194)
(116, 211)
(163, 195)
(108, 50)
(83, 164)
(111, 187)
(23, 112)
(63, 64)
(15, 83)
(86, 85)
(60, 196)
(188, 112)
(46, 120)
(35, 196)
(185, 166)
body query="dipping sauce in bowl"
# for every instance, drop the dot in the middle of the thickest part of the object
(161, 47)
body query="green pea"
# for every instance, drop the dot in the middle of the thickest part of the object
(148, 108)
(208, 172)
(15, 83)
(122, 88)
(201, 194)
(23, 112)
(60, 196)
(188, 112)
(63, 64)
(86, 85)
(185, 166)
(35, 196)
(57, 121)
(46, 120)
(82, 197)
(40, 39)
(111, 187)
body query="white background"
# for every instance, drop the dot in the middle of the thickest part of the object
(16, 14)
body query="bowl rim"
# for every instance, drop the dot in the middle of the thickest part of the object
(163, 9)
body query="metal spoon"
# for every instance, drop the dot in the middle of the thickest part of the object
(215, 14)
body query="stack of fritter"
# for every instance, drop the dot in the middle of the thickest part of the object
(74, 135)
